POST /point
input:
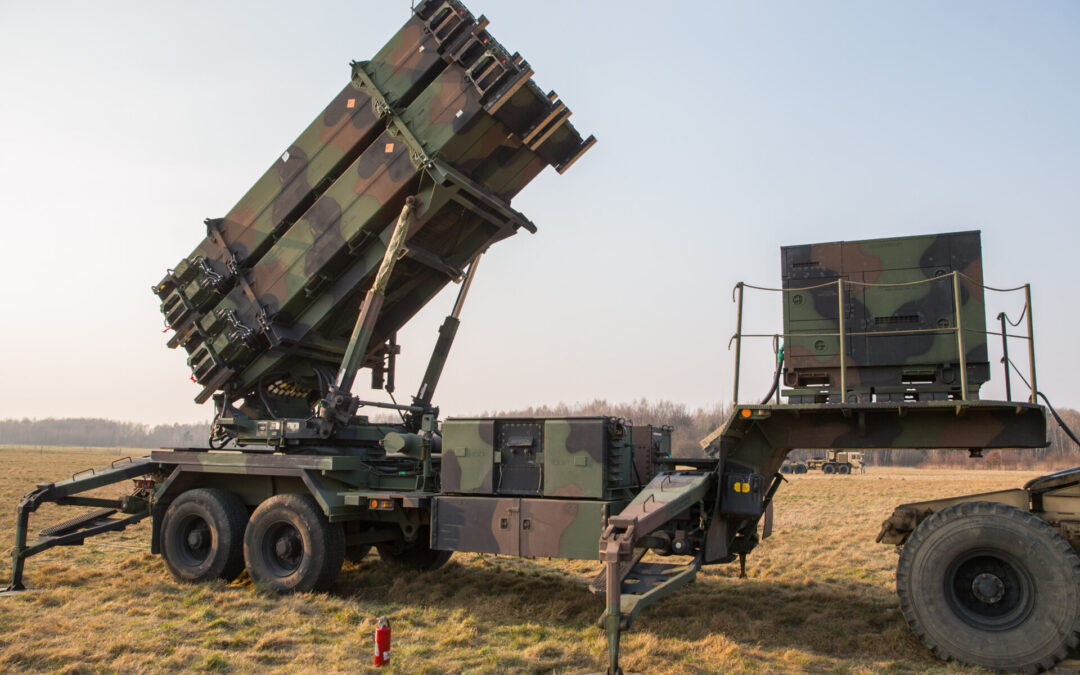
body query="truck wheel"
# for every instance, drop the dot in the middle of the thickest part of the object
(800, 468)
(291, 547)
(828, 469)
(990, 585)
(202, 536)
(844, 469)
(785, 468)
(416, 555)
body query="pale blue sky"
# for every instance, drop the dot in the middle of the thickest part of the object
(726, 130)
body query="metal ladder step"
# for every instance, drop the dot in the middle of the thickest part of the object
(79, 522)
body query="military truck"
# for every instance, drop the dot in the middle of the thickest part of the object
(394, 192)
(837, 462)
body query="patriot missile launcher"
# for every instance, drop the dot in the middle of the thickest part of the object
(395, 190)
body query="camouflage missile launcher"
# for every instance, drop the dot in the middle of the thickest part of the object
(395, 190)
(265, 305)
(899, 318)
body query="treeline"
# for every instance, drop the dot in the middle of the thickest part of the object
(101, 433)
(690, 424)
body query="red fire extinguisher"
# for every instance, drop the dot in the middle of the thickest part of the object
(382, 642)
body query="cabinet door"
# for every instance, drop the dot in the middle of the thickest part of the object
(477, 524)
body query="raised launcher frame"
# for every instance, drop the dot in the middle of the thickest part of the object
(906, 313)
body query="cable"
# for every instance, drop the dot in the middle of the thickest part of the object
(1061, 422)
(776, 376)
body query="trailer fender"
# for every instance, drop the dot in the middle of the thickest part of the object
(906, 517)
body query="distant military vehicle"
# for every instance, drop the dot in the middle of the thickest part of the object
(395, 191)
(837, 462)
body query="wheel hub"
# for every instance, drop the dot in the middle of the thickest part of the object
(988, 588)
(286, 547)
(197, 539)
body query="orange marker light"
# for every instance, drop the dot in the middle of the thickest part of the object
(746, 412)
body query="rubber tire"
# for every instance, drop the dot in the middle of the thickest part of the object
(1049, 568)
(785, 468)
(357, 553)
(414, 556)
(321, 545)
(828, 469)
(800, 468)
(225, 517)
(844, 469)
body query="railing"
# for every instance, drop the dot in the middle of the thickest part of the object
(958, 329)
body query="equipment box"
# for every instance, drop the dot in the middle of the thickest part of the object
(556, 528)
(900, 318)
(581, 457)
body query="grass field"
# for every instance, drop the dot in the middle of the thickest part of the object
(819, 598)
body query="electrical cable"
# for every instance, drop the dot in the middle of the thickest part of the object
(776, 376)
(1057, 417)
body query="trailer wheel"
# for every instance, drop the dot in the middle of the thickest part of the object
(416, 555)
(843, 468)
(829, 469)
(291, 547)
(991, 585)
(202, 535)
(800, 468)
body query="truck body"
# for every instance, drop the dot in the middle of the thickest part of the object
(394, 192)
(837, 462)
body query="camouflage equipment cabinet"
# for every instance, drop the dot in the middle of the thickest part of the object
(394, 192)
(897, 329)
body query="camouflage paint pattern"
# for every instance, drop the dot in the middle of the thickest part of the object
(468, 451)
(444, 112)
(879, 365)
(577, 457)
(587, 457)
(562, 528)
(299, 175)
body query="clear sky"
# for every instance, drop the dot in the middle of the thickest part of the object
(726, 129)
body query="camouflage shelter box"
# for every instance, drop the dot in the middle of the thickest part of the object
(899, 318)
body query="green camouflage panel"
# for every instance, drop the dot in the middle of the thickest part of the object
(583, 457)
(892, 350)
(465, 140)
(556, 528)
(468, 449)
(587, 457)
(299, 175)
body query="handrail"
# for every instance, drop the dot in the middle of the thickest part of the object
(958, 328)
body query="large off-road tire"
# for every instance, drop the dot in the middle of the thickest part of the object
(291, 547)
(800, 468)
(828, 469)
(991, 585)
(786, 468)
(416, 556)
(202, 535)
(843, 469)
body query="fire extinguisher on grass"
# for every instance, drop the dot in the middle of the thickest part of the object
(382, 642)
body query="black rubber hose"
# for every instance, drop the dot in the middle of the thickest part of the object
(1061, 422)
(776, 377)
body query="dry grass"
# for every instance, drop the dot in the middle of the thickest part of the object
(819, 598)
